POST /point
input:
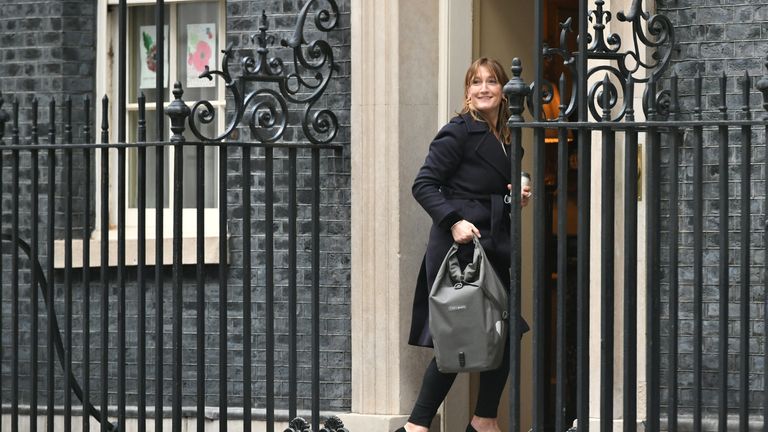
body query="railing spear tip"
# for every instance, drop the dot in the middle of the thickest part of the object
(517, 67)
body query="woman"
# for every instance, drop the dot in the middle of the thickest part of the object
(462, 185)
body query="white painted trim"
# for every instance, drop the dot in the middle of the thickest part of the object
(455, 55)
(188, 251)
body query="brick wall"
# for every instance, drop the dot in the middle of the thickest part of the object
(715, 38)
(48, 52)
(335, 381)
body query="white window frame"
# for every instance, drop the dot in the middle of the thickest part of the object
(106, 85)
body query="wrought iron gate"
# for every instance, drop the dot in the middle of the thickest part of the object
(266, 98)
(689, 200)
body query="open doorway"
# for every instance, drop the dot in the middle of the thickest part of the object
(503, 30)
(556, 12)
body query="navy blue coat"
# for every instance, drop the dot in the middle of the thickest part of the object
(464, 176)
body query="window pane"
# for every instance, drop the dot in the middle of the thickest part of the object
(142, 41)
(210, 170)
(198, 45)
(132, 156)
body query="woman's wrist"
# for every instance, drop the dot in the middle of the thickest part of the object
(450, 220)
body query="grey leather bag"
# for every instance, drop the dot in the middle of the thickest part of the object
(468, 314)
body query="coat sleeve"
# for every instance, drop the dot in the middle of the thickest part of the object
(443, 159)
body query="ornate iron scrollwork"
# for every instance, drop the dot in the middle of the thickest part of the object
(265, 110)
(654, 32)
(298, 425)
(332, 424)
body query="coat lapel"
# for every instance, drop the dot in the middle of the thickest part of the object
(489, 149)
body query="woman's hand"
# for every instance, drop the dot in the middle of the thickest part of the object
(525, 194)
(462, 231)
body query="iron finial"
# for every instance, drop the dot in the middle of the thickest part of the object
(674, 107)
(177, 111)
(33, 132)
(142, 123)
(605, 98)
(516, 91)
(561, 89)
(723, 105)
(105, 119)
(262, 36)
(629, 97)
(697, 81)
(650, 99)
(86, 119)
(15, 123)
(4, 117)
(745, 86)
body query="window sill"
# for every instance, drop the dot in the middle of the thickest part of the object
(188, 252)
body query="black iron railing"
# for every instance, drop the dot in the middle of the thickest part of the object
(716, 229)
(21, 241)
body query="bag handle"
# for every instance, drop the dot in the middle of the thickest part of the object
(472, 269)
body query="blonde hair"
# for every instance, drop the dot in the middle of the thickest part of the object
(494, 67)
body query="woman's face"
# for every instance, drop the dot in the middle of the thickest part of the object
(484, 93)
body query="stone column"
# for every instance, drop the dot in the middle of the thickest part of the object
(394, 118)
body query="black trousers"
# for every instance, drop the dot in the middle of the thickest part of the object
(436, 384)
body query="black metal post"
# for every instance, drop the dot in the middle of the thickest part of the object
(104, 215)
(269, 259)
(4, 117)
(122, 83)
(68, 266)
(15, 265)
(540, 305)
(122, 18)
(583, 228)
(34, 252)
(141, 204)
(315, 289)
(121, 312)
(200, 285)
(178, 112)
(51, 214)
(223, 287)
(698, 253)
(630, 265)
(87, 267)
(723, 263)
(515, 90)
(562, 260)
(160, 95)
(607, 216)
(247, 373)
(674, 167)
(292, 294)
(746, 228)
